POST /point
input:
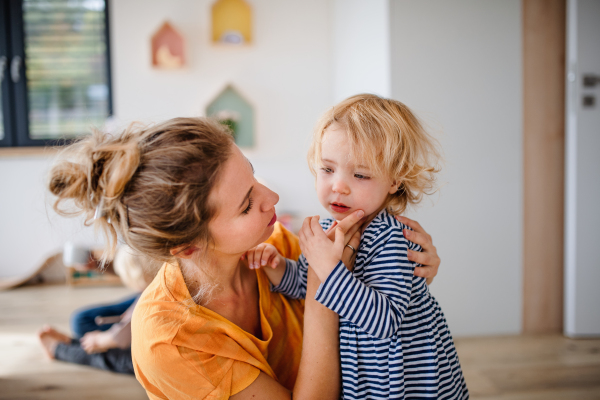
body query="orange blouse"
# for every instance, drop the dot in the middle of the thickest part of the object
(183, 350)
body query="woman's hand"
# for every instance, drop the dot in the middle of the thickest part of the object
(428, 257)
(349, 254)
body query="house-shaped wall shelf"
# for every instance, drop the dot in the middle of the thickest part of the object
(231, 22)
(168, 48)
(232, 109)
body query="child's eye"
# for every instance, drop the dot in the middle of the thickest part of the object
(361, 176)
(247, 209)
(326, 169)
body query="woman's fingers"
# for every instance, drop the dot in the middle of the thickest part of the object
(428, 258)
(355, 240)
(422, 258)
(349, 255)
(426, 272)
(410, 222)
(422, 239)
(351, 232)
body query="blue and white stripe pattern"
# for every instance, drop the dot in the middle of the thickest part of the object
(394, 339)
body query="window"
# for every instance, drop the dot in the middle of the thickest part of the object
(55, 70)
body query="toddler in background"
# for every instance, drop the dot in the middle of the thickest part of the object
(372, 154)
(102, 333)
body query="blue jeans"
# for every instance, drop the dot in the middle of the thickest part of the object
(83, 320)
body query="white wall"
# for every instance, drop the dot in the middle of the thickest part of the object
(458, 64)
(30, 231)
(285, 74)
(361, 48)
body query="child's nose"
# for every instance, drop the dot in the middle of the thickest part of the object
(340, 186)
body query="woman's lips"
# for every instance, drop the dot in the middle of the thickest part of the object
(339, 208)
(273, 219)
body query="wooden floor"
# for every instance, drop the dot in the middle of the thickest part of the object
(496, 368)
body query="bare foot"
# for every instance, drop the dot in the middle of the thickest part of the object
(50, 338)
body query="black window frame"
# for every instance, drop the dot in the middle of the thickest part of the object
(15, 104)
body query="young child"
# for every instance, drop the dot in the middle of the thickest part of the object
(372, 154)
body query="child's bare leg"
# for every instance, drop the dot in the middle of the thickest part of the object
(50, 338)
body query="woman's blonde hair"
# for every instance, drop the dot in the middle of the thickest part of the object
(150, 184)
(386, 136)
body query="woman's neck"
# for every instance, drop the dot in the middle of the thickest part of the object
(212, 275)
(224, 285)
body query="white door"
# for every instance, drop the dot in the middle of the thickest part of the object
(582, 186)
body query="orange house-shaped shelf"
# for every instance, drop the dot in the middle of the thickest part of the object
(168, 48)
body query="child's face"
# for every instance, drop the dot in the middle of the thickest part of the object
(343, 184)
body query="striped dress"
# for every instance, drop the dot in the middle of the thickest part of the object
(394, 339)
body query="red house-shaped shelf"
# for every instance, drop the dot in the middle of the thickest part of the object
(168, 48)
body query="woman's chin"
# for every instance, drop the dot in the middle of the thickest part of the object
(267, 234)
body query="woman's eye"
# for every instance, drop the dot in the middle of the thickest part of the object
(327, 170)
(247, 209)
(361, 176)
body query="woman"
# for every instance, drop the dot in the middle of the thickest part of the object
(207, 326)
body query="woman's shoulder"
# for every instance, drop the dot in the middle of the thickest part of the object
(157, 311)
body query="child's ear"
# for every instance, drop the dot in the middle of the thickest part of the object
(395, 186)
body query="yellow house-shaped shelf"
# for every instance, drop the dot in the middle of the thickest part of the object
(231, 22)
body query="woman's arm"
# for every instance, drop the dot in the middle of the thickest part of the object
(319, 372)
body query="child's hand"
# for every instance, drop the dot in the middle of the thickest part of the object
(264, 255)
(321, 253)
(351, 226)
(97, 342)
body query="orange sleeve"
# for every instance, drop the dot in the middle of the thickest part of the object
(180, 373)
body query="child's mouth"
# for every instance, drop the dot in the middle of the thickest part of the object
(339, 208)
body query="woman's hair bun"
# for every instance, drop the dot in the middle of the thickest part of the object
(94, 173)
(150, 184)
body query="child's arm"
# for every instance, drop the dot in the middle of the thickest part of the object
(286, 276)
(266, 255)
(378, 304)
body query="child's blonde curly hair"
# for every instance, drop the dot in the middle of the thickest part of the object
(386, 136)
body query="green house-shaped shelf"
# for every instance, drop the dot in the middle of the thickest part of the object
(233, 110)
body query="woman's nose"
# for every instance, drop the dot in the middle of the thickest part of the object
(271, 198)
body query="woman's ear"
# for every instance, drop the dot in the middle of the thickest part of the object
(395, 186)
(184, 251)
